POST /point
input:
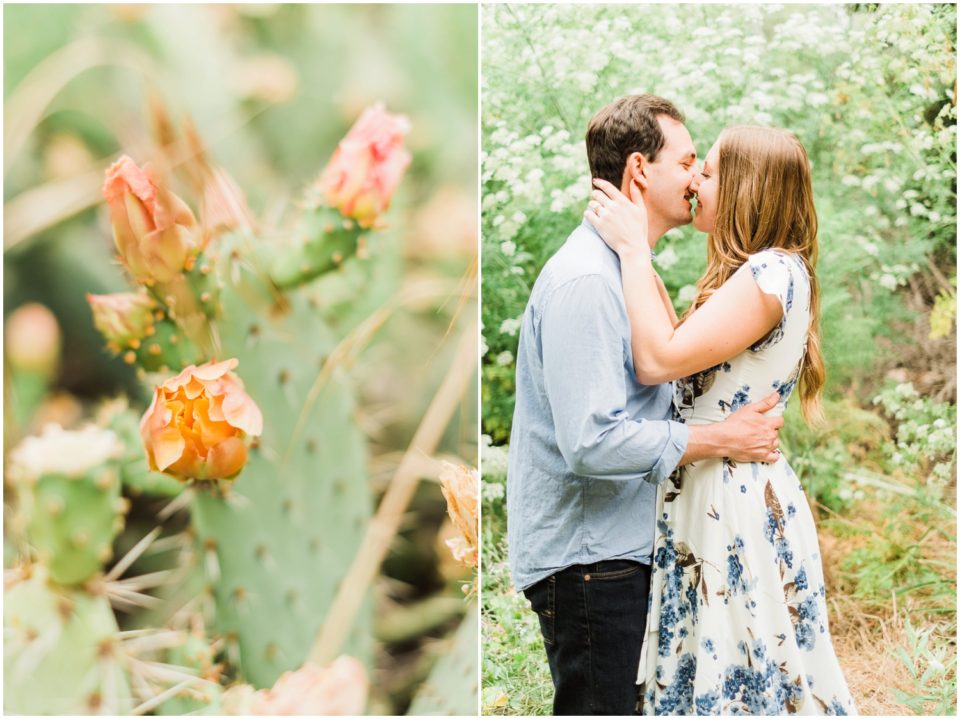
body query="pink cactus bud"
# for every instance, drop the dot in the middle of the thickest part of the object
(123, 318)
(367, 166)
(339, 689)
(33, 339)
(155, 232)
(461, 488)
(198, 421)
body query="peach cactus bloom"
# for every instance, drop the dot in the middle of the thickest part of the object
(339, 689)
(155, 232)
(123, 318)
(367, 166)
(197, 423)
(461, 488)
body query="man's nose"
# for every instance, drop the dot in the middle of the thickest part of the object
(695, 182)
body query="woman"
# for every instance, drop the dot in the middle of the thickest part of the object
(738, 618)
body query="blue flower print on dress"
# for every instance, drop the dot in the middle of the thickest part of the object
(740, 398)
(737, 611)
(786, 387)
(676, 697)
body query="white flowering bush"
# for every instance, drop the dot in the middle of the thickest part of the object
(926, 438)
(868, 90)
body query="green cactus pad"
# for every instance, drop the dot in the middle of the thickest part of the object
(166, 349)
(451, 689)
(329, 241)
(61, 652)
(71, 522)
(278, 544)
(194, 653)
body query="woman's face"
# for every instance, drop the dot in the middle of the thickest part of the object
(706, 185)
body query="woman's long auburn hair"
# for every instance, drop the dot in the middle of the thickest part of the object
(766, 202)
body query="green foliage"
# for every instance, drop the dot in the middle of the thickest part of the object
(870, 93)
(926, 440)
(822, 456)
(516, 679)
(933, 667)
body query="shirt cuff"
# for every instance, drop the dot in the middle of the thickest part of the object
(673, 450)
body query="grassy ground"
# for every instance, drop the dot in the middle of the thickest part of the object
(888, 542)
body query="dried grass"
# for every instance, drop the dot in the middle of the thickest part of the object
(866, 633)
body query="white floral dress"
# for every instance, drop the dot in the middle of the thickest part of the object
(737, 621)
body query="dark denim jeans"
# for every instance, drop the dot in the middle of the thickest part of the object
(592, 617)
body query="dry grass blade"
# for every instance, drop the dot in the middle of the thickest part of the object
(26, 105)
(385, 523)
(42, 207)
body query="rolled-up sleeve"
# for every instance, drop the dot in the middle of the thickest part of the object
(583, 355)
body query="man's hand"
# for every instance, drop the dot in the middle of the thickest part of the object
(747, 435)
(754, 436)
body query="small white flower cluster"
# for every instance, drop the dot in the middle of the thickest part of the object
(926, 433)
(493, 459)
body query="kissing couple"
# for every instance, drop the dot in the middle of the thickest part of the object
(659, 534)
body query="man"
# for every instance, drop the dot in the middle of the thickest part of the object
(589, 444)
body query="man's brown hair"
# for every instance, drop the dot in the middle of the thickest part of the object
(623, 127)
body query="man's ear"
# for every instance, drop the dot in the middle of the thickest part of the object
(636, 169)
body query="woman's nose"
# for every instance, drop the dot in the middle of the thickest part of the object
(695, 182)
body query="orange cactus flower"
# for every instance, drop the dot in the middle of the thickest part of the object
(155, 232)
(197, 423)
(367, 166)
(461, 488)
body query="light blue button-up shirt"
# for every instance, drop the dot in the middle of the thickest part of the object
(589, 443)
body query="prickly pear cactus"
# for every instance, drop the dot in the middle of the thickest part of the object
(451, 689)
(73, 520)
(69, 508)
(61, 652)
(269, 461)
(277, 544)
